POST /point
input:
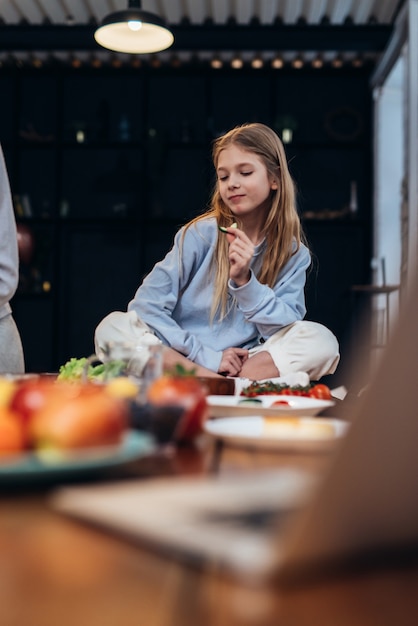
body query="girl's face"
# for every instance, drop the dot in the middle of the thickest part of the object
(243, 181)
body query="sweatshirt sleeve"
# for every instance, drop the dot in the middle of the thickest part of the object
(9, 261)
(272, 309)
(157, 297)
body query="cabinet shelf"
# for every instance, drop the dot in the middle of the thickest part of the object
(31, 294)
(338, 221)
(327, 145)
(37, 144)
(101, 145)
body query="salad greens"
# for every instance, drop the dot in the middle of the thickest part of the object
(74, 370)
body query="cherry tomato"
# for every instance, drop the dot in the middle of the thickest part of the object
(320, 391)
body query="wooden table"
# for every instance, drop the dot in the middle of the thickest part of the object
(58, 572)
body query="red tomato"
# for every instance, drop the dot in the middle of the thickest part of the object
(320, 391)
(185, 391)
(278, 402)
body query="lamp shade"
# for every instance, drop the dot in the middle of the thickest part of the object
(134, 31)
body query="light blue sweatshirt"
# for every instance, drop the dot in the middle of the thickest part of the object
(175, 299)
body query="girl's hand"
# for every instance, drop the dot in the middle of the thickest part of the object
(241, 252)
(232, 361)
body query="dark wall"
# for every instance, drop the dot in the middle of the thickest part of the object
(106, 164)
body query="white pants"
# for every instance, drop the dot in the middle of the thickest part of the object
(300, 347)
(303, 347)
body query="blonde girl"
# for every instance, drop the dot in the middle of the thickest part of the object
(228, 298)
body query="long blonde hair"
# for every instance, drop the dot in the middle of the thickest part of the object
(282, 229)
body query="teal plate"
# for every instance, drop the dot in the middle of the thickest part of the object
(29, 468)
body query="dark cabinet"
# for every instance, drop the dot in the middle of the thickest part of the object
(326, 107)
(325, 177)
(101, 182)
(236, 100)
(37, 186)
(105, 165)
(8, 118)
(178, 108)
(99, 109)
(339, 250)
(99, 273)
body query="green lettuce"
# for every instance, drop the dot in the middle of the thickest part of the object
(74, 369)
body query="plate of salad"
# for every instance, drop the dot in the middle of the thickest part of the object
(273, 398)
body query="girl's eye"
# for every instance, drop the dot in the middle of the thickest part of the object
(246, 173)
(222, 178)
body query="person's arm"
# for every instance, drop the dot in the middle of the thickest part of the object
(160, 292)
(9, 261)
(272, 309)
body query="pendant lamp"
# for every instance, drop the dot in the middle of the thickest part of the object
(134, 31)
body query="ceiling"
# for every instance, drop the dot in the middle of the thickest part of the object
(335, 31)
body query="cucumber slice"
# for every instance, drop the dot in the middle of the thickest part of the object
(223, 229)
(250, 401)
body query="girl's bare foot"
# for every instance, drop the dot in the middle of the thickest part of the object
(259, 367)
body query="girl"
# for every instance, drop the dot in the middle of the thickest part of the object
(228, 299)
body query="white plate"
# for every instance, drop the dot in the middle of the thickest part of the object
(301, 434)
(28, 468)
(228, 406)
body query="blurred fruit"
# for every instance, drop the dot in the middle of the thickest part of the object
(25, 243)
(32, 395)
(53, 414)
(7, 389)
(12, 439)
(122, 387)
(88, 418)
(186, 392)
